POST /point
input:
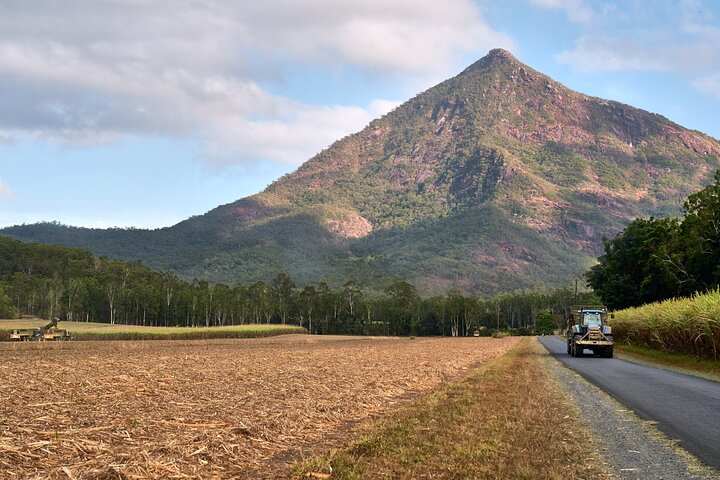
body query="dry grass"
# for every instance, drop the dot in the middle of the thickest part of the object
(206, 409)
(105, 331)
(509, 420)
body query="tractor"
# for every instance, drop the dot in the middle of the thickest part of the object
(47, 333)
(588, 330)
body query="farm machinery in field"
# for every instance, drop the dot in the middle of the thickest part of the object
(48, 332)
(588, 329)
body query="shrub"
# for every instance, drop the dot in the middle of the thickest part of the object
(545, 324)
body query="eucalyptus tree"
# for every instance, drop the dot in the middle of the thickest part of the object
(259, 294)
(283, 289)
(307, 304)
(404, 306)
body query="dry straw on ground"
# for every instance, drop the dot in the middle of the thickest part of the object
(507, 420)
(206, 409)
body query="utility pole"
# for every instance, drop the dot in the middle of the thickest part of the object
(576, 291)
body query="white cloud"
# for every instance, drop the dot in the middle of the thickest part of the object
(612, 54)
(651, 51)
(710, 85)
(4, 190)
(678, 37)
(576, 10)
(297, 132)
(94, 72)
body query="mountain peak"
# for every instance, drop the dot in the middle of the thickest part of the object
(499, 54)
(496, 57)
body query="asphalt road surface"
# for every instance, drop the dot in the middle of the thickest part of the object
(686, 408)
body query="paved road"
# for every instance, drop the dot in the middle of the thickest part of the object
(686, 408)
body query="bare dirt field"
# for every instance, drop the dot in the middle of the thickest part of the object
(207, 409)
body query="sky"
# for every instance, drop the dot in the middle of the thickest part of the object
(140, 114)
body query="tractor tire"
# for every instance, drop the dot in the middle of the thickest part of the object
(608, 352)
(577, 351)
(569, 348)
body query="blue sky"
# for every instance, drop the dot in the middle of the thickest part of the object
(145, 113)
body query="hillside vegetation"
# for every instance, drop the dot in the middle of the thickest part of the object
(497, 179)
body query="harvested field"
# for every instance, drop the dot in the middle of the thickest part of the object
(206, 409)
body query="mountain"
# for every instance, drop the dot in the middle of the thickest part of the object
(497, 179)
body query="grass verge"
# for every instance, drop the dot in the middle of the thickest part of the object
(509, 419)
(105, 331)
(676, 361)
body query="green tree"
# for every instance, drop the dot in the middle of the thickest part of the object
(545, 324)
(455, 307)
(6, 306)
(404, 305)
(352, 293)
(260, 301)
(701, 238)
(638, 265)
(283, 289)
(328, 305)
(308, 302)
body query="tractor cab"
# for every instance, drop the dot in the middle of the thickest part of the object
(590, 318)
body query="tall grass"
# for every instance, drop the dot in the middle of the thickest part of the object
(689, 325)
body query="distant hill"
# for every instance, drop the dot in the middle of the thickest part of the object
(497, 179)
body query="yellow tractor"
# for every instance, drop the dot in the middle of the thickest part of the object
(47, 333)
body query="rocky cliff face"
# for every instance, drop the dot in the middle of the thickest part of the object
(498, 178)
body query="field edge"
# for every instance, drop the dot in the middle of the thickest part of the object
(485, 425)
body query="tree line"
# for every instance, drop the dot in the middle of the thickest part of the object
(74, 285)
(656, 259)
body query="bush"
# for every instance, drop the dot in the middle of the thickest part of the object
(545, 324)
(6, 307)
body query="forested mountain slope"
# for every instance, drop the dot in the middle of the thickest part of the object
(496, 179)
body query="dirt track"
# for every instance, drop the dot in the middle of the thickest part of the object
(206, 409)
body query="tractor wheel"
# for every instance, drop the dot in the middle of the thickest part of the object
(577, 350)
(608, 352)
(569, 348)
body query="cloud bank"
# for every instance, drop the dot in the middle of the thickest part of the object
(85, 72)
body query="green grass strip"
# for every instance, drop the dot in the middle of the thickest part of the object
(676, 361)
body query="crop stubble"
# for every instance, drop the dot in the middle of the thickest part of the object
(206, 409)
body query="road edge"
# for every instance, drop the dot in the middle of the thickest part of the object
(632, 448)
